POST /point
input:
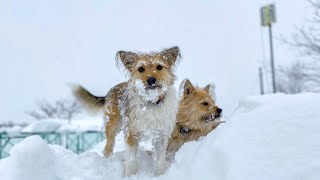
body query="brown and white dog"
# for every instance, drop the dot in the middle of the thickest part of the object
(144, 107)
(197, 116)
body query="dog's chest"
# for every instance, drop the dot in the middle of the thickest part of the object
(151, 121)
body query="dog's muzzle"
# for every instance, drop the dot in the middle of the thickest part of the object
(211, 118)
(153, 87)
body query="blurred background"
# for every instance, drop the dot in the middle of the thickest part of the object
(44, 45)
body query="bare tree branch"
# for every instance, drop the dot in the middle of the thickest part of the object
(298, 77)
(61, 109)
(307, 38)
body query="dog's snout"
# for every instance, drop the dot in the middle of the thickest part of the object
(219, 111)
(151, 81)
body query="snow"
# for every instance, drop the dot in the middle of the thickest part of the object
(272, 137)
(62, 126)
(47, 125)
(120, 145)
(13, 131)
(150, 95)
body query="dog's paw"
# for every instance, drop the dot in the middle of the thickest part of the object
(106, 154)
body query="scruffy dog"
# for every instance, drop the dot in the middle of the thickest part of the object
(198, 115)
(145, 106)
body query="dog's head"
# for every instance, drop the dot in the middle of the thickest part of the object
(198, 109)
(151, 73)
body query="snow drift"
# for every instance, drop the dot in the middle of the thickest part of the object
(267, 137)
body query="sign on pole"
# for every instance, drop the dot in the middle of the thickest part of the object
(268, 15)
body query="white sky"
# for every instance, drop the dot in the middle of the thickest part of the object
(45, 44)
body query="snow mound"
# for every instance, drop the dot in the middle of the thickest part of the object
(47, 125)
(11, 131)
(61, 126)
(271, 137)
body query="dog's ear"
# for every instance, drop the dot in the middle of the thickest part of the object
(187, 87)
(210, 88)
(128, 59)
(171, 55)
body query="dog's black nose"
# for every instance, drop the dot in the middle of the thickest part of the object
(219, 111)
(151, 81)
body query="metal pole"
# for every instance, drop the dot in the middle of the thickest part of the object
(261, 81)
(1, 146)
(274, 87)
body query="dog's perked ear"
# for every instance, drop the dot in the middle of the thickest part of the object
(210, 88)
(171, 55)
(128, 59)
(187, 87)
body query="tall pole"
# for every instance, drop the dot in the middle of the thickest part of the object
(268, 17)
(274, 86)
(261, 81)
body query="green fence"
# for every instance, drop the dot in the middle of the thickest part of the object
(76, 142)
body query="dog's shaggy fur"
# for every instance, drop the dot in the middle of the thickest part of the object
(145, 106)
(197, 116)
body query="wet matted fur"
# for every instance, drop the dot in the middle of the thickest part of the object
(144, 107)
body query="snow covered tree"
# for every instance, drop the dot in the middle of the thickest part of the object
(298, 77)
(303, 76)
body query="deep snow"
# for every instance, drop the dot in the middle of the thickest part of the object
(272, 137)
(85, 124)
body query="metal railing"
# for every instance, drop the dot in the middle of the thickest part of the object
(76, 142)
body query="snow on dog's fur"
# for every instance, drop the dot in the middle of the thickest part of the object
(197, 116)
(145, 106)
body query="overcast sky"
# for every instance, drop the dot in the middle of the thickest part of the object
(46, 44)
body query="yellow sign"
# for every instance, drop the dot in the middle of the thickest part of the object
(268, 15)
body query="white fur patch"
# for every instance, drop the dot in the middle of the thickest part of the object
(151, 95)
(149, 120)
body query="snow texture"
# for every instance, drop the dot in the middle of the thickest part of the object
(272, 137)
(61, 126)
(48, 125)
(150, 95)
(11, 131)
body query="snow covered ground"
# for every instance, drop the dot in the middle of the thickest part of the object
(57, 125)
(272, 137)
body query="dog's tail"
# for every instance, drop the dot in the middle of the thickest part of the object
(92, 103)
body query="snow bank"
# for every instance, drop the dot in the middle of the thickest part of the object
(44, 126)
(61, 126)
(11, 131)
(272, 137)
(267, 137)
(33, 159)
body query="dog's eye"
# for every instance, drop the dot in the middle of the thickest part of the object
(184, 130)
(205, 103)
(141, 69)
(159, 67)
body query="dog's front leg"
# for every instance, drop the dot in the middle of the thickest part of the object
(160, 152)
(131, 166)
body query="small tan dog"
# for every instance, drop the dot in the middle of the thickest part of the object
(144, 107)
(197, 116)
